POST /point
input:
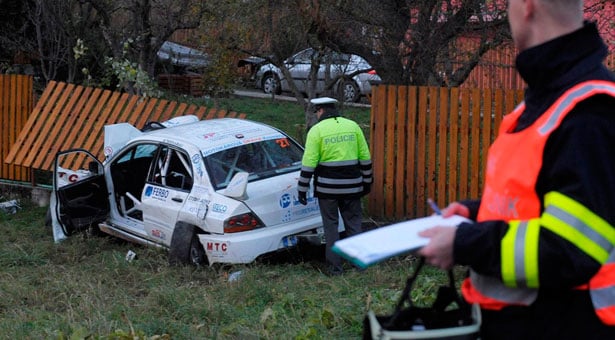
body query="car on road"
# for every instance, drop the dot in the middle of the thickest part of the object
(354, 75)
(210, 191)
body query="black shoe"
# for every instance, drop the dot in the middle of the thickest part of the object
(359, 269)
(335, 271)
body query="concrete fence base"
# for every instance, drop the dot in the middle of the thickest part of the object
(39, 196)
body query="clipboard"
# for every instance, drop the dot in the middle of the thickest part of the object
(377, 245)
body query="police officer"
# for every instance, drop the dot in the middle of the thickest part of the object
(542, 250)
(337, 156)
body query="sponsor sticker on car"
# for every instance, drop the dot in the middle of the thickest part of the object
(216, 248)
(156, 193)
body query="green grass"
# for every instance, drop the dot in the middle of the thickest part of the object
(287, 116)
(84, 288)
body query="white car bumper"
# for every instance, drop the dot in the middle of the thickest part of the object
(245, 247)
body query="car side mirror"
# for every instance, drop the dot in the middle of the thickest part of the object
(237, 186)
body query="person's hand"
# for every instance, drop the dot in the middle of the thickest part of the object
(439, 251)
(367, 187)
(303, 197)
(456, 208)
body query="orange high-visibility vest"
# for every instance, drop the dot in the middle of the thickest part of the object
(513, 165)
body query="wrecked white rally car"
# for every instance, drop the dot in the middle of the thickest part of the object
(210, 191)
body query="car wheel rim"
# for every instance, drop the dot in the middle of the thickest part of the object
(349, 93)
(195, 256)
(269, 85)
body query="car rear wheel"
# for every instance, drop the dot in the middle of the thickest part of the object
(350, 91)
(186, 249)
(271, 84)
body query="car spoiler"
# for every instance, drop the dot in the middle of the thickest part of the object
(117, 135)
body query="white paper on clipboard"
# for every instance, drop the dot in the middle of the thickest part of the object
(380, 244)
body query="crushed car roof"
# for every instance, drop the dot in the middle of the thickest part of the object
(213, 135)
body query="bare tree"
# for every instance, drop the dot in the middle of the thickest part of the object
(54, 37)
(414, 42)
(14, 30)
(134, 30)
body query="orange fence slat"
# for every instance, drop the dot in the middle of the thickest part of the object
(432, 144)
(475, 152)
(140, 113)
(421, 146)
(113, 117)
(159, 110)
(81, 122)
(376, 137)
(42, 117)
(453, 149)
(47, 138)
(410, 150)
(389, 143)
(441, 170)
(5, 143)
(98, 129)
(401, 161)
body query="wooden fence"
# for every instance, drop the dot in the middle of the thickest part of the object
(430, 142)
(16, 102)
(69, 116)
(425, 141)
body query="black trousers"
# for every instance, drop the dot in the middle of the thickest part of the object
(554, 315)
(352, 216)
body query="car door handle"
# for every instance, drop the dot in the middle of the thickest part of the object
(177, 199)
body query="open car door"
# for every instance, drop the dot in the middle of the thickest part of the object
(80, 197)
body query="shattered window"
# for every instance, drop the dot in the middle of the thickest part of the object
(260, 160)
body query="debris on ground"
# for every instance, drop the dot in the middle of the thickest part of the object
(234, 276)
(130, 255)
(10, 207)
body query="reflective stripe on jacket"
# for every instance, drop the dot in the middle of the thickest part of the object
(337, 155)
(513, 165)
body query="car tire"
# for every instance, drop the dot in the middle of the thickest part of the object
(350, 91)
(186, 249)
(271, 84)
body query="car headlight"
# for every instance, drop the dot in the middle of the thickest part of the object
(242, 222)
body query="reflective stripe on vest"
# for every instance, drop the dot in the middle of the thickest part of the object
(595, 237)
(520, 254)
(602, 291)
(509, 195)
(579, 225)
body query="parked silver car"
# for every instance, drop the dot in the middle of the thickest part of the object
(270, 79)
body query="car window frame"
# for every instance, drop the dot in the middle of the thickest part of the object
(170, 166)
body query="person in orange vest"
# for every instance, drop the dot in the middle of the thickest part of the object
(541, 252)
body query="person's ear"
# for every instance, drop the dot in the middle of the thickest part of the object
(529, 8)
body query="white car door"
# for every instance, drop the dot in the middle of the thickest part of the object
(165, 193)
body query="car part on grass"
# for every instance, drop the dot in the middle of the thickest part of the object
(10, 207)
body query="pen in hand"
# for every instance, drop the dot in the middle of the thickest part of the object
(434, 207)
